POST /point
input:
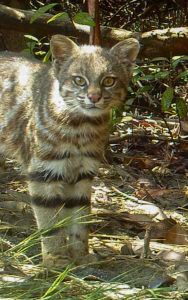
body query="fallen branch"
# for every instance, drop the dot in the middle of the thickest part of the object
(165, 42)
(118, 139)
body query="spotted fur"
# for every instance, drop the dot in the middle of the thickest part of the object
(57, 130)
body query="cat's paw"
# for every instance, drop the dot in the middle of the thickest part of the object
(56, 261)
(87, 259)
(59, 261)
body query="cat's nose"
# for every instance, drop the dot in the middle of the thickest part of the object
(94, 97)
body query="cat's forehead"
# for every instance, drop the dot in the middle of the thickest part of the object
(87, 49)
(92, 58)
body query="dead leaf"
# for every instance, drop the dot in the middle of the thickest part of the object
(184, 125)
(144, 182)
(141, 162)
(182, 277)
(176, 235)
(139, 250)
(160, 278)
(159, 229)
(140, 219)
(171, 255)
(158, 192)
(16, 206)
(127, 249)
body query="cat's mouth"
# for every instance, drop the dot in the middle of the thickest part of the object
(93, 106)
(94, 110)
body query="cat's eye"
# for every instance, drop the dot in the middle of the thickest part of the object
(78, 80)
(108, 81)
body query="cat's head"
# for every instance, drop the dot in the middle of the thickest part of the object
(92, 80)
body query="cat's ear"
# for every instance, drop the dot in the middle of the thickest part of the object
(62, 47)
(126, 51)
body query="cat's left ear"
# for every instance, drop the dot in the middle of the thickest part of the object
(126, 50)
(62, 47)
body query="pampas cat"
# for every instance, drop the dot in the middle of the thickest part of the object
(54, 121)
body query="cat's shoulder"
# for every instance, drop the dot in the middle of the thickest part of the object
(11, 62)
(17, 57)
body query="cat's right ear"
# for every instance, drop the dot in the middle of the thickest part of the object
(62, 47)
(126, 51)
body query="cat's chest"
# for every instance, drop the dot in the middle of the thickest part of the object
(83, 156)
(69, 169)
(70, 150)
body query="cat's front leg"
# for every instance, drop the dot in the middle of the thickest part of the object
(61, 212)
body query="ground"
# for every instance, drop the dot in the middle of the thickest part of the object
(138, 229)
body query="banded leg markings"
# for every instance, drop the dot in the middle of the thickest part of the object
(48, 176)
(58, 201)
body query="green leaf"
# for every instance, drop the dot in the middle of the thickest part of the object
(83, 18)
(137, 71)
(40, 52)
(160, 59)
(41, 11)
(143, 89)
(27, 52)
(31, 46)
(47, 57)
(167, 97)
(177, 59)
(130, 89)
(162, 74)
(147, 77)
(59, 16)
(31, 37)
(128, 103)
(181, 107)
(182, 74)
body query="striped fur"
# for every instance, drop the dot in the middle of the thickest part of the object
(57, 130)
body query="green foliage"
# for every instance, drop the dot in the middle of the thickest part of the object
(80, 18)
(115, 116)
(183, 75)
(159, 78)
(160, 59)
(59, 16)
(167, 98)
(158, 82)
(178, 59)
(35, 47)
(181, 108)
(84, 19)
(53, 289)
(47, 56)
(41, 11)
(143, 89)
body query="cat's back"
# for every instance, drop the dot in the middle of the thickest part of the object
(19, 77)
(11, 62)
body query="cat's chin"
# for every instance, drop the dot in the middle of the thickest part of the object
(94, 111)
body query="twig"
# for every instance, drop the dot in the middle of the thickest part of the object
(146, 94)
(116, 140)
(147, 239)
(128, 196)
